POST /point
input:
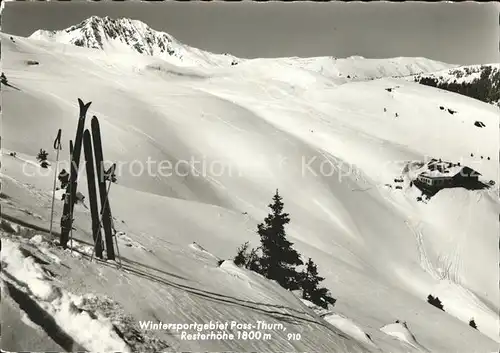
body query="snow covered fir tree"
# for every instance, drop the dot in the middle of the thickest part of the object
(156, 224)
(277, 260)
(309, 281)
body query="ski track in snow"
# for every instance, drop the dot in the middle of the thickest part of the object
(425, 263)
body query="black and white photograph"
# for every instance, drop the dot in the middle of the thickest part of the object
(240, 176)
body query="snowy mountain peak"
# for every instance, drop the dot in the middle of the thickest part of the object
(98, 32)
(124, 34)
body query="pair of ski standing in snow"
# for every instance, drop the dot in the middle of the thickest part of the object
(99, 219)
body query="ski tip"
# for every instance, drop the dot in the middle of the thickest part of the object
(81, 104)
(83, 107)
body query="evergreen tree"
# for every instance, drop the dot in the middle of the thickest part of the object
(241, 256)
(278, 257)
(309, 281)
(249, 260)
(42, 158)
(472, 324)
(322, 298)
(253, 261)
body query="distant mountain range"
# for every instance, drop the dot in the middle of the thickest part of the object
(104, 33)
(127, 35)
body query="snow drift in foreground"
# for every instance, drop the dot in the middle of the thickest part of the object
(338, 149)
(96, 334)
(400, 331)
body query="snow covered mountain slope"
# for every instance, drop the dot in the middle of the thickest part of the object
(332, 150)
(461, 74)
(476, 81)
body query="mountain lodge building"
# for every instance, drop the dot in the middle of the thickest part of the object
(446, 174)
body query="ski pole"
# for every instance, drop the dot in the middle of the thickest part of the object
(71, 208)
(110, 173)
(116, 237)
(101, 214)
(57, 147)
(99, 236)
(112, 225)
(111, 220)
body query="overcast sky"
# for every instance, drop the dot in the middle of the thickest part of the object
(458, 33)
